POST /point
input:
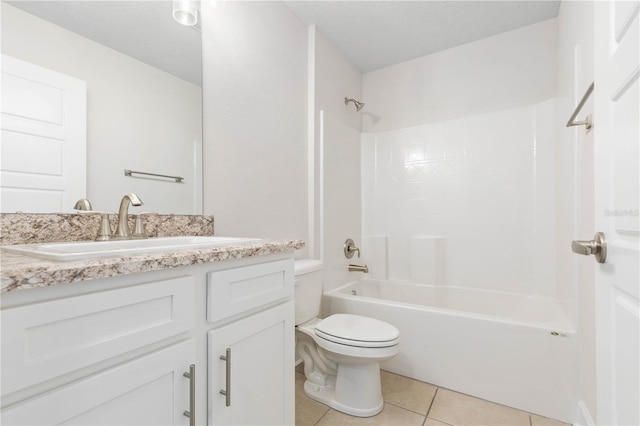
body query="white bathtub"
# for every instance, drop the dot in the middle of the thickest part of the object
(508, 348)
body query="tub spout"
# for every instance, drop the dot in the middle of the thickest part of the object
(357, 268)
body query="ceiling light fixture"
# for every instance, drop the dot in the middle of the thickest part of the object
(185, 12)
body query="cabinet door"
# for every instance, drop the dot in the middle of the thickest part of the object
(261, 367)
(150, 390)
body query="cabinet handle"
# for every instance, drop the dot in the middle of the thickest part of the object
(227, 392)
(191, 375)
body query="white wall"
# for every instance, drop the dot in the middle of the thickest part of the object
(255, 97)
(138, 117)
(281, 149)
(508, 70)
(336, 136)
(574, 191)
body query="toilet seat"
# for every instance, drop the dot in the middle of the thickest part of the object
(358, 331)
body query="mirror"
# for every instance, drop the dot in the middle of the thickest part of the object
(142, 72)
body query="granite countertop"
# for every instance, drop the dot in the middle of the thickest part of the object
(22, 272)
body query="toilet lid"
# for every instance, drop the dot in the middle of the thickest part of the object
(356, 330)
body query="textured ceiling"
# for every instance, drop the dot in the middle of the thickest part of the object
(371, 34)
(376, 34)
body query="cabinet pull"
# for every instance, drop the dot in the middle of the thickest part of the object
(227, 392)
(191, 375)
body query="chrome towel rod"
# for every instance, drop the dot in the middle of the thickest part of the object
(128, 172)
(587, 122)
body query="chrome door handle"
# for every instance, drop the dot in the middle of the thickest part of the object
(191, 375)
(227, 392)
(596, 247)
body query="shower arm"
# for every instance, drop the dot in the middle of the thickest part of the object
(357, 104)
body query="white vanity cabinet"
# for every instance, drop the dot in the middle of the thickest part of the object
(115, 351)
(251, 359)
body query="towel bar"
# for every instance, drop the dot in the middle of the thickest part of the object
(128, 172)
(587, 122)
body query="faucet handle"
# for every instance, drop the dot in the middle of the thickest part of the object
(83, 204)
(350, 248)
(138, 231)
(104, 233)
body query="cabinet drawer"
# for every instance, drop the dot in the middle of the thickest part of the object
(234, 291)
(45, 340)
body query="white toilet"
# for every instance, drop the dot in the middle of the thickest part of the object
(342, 352)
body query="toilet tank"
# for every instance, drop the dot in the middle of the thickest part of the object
(309, 275)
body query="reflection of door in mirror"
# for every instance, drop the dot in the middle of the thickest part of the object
(139, 116)
(43, 144)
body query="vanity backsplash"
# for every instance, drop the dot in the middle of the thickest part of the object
(28, 228)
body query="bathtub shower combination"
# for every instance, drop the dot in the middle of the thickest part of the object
(459, 231)
(507, 348)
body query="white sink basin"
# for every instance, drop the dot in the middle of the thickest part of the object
(97, 249)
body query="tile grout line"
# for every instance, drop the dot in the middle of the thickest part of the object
(403, 408)
(432, 401)
(429, 410)
(322, 416)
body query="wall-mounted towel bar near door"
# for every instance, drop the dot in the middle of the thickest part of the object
(130, 173)
(587, 122)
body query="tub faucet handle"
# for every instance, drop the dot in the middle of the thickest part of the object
(350, 248)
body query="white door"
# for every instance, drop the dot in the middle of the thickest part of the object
(43, 140)
(617, 199)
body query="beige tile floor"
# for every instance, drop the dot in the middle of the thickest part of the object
(410, 402)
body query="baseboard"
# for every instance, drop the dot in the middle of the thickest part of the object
(584, 416)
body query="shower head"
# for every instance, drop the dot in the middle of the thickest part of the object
(358, 105)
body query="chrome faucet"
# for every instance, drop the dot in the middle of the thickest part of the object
(357, 268)
(122, 231)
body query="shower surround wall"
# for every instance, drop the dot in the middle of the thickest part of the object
(458, 165)
(466, 202)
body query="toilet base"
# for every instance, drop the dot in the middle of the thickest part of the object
(357, 390)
